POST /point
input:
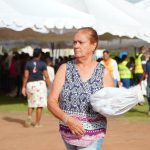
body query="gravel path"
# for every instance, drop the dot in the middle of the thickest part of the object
(121, 134)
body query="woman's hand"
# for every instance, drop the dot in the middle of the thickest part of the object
(75, 126)
(24, 93)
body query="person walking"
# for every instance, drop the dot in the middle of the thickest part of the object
(80, 126)
(34, 87)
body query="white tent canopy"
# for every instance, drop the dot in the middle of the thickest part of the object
(130, 9)
(144, 5)
(112, 18)
(42, 16)
(141, 15)
(60, 19)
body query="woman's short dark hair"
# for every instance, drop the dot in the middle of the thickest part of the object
(106, 51)
(37, 52)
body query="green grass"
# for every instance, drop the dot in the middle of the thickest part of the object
(138, 113)
(9, 104)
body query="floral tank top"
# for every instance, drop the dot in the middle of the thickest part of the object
(75, 101)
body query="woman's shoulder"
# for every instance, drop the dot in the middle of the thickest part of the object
(61, 72)
(69, 65)
(62, 67)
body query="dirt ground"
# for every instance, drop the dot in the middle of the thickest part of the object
(121, 134)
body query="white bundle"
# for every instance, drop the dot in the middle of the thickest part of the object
(111, 101)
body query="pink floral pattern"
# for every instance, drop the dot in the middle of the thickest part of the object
(37, 94)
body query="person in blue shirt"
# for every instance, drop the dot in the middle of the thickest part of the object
(147, 76)
(147, 70)
(34, 86)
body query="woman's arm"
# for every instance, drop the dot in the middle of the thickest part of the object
(58, 83)
(53, 105)
(25, 79)
(107, 80)
(47, 79)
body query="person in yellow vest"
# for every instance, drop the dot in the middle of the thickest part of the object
(140, 62)
(112, 66)
(125, 72)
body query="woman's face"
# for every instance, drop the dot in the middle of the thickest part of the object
(82, 45)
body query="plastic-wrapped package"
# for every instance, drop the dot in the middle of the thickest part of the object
(111, 101)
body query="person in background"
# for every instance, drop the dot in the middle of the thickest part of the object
(81, 127)
(112, 66)
(140, 62)
(146, 75)
(34, 87)
(125, 72)
(51, 72)
(117, 59)
(13, 74)
(131, 65)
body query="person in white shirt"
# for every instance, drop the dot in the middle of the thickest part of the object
(112, 66)
(51, 72)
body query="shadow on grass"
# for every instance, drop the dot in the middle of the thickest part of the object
(4, 100)
(137, 111)
(14, 120)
